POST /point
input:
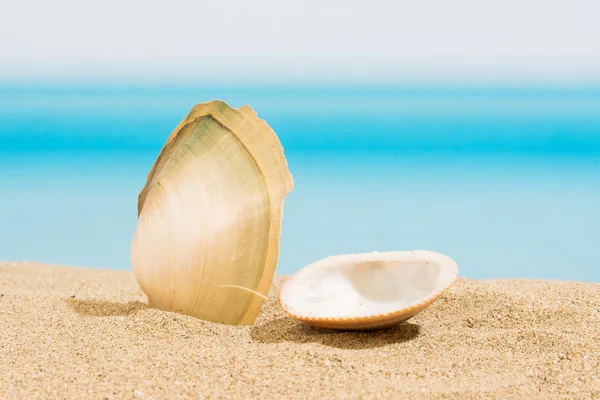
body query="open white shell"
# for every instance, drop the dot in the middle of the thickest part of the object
(368, 290)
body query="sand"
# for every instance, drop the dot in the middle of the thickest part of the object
(86, 333)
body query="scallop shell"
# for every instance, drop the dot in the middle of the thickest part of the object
(367, 291)
(206, 242)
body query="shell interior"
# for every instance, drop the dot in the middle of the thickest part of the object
(356, 286)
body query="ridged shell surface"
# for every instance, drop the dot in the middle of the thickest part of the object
(209, 217)
(367, 291)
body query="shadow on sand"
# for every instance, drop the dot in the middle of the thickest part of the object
(288, 330)
(99, 308)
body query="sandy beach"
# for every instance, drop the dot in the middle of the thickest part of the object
(86, 333)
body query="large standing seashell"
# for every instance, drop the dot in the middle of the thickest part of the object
(367, 291)
(209, 218)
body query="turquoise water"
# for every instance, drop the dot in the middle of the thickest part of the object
(507, 182)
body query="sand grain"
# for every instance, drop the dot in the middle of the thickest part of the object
(86, 333)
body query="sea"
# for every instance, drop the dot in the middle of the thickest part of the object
(505, 180)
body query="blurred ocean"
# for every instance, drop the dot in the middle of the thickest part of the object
(505, 181)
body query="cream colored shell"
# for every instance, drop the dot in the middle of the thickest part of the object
(209, 217)
(367, 291)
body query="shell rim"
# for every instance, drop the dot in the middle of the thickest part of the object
(376, 317)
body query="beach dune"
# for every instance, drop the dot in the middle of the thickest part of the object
(70, 332)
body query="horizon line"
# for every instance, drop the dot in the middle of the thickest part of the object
(376, 87)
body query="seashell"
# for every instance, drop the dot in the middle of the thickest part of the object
(367, 291)
(206, 242)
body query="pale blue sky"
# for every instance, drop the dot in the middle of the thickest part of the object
(555, 41)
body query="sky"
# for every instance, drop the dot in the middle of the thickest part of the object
(511, 41)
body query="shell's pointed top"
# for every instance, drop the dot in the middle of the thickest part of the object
(254, 133)
(248, 110)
